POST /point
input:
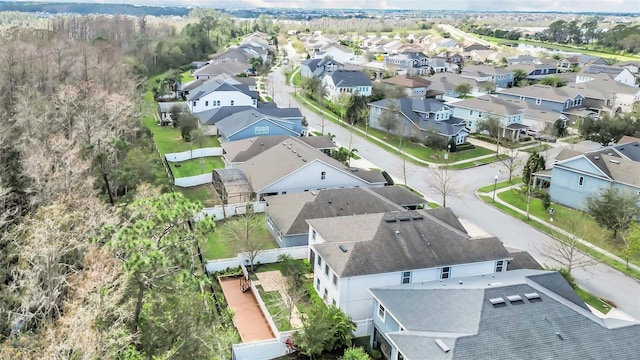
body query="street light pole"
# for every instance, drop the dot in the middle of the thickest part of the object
(495, 185)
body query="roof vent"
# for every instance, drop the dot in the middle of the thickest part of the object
(442, 346)
(596, 157)
(390, 220)
(305, 160)
(397, 232)
(299, 155)
(289, 147)
(614, 161)
(496, 301)
(343, 248)
(417, 217)
(284, 143)
(404, 218)
(514, 298)
(531, 296)
(636, 144)
(610, 153)
(560, 336)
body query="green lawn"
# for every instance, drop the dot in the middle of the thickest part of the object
(168, 138)
(218, 247)
(539, 148)
(196, 166)
(593, 300)
(186, 77)
(205, 194)
(588, 229)
(279, 313)
(470, 164)
(500, 185)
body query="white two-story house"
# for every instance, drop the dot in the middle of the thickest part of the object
(346, 82)
(216, 93)
(352, 254)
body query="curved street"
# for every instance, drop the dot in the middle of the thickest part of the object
(599, 279)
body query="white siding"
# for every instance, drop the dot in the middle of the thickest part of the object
(309, 178)
(224, 97)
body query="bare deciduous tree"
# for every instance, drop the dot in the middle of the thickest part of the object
(445, 182)
(243, 234)
(511, 162)
(565, 251)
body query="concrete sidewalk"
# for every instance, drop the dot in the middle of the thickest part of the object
(555, 228)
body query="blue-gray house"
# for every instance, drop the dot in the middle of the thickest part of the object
(564, 99)
(253, 122)
(576, 178)
(417, 117)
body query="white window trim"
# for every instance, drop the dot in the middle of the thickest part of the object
(448, 272)
(383, 310)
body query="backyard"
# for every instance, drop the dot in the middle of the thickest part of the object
(196, 166)
(205, 194)
(218, 247)
(169, 140)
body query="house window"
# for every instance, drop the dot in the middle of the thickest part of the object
(319, 261)
(444, 272)
(333, 301)
(318, 284)
(206, 103)
(381, 312)
(323, 175)
(581, 181)
(261, 130)
(335, 280)
(499, 265)
(313, 236)
(194, 103)
(406, 277)
(326, 270)
(326, 294)
(231, 102)
(400, 357)
(538, 101)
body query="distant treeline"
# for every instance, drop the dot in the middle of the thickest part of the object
(74, 8)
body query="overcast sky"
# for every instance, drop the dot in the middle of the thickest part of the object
(482, 5)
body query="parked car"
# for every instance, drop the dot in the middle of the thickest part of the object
(546, 138)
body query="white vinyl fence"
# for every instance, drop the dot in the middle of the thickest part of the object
(264, 349)
(264, 257)
(193, 154)
(218, 213)
(196, 180)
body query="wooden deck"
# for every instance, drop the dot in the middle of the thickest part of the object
(248, 318)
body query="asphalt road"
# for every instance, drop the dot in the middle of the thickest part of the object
(598, 279)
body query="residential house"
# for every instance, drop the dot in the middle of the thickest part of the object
(475, 110)
(412, 85)
(565, 100)
(239, 151)
(256, 37)
(286, 215)
(209, 119)
(215, 93)
(575, 179)
(446, 83)
(337, 52)
(252, 122)
(351, 254)
(619, 74)
(165, 108)
(520, 314)
(409, 62)
(418, 117)
(295, 166)
(224, 66)
(580, 60)
(605, 95)
(632, 66)
(514, 60)
(348, 82)
(245, 52)
(229, 79)
(537, 69)
(500, 77)
(445, 63)
(319, 67)
(481, 56)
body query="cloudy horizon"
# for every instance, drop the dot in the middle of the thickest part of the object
(607, 6)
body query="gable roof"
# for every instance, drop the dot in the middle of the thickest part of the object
(225, 66)
(213, 116)
(545, 92)
(293, 154)
(291, 211)
(349, 78)
(555, 325)
(238, 121)
(245, 149)
(412, 107)
(389, 242)
(408, 81)
(600, 69)
(610, 162)
(219, 85)
(491, 104)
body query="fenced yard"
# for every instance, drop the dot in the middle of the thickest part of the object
(220, 247)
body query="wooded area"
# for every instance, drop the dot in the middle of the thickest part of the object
(97, 260)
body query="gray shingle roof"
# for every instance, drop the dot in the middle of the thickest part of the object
(240, 120)
(219, 85)
(544, 92)
(213, 116)
(412, 107)
(413, 240)
(349, 78)
(291, 211)
(557, 325)
(280, 161)
(245, 149)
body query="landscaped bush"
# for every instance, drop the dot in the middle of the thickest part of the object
(465, 146)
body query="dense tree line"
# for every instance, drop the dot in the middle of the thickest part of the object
(609, 129)
(93, 264)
